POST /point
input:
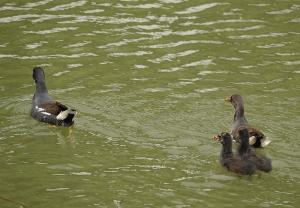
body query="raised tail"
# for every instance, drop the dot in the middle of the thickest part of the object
(68, 117)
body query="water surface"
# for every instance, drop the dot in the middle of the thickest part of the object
(148, 79)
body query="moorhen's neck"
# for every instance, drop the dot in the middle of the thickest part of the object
(239, 110)
(244, 144)
(227, 150)
(41, 87)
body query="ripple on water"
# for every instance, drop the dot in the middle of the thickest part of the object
(78, 55)
(205, 72)
(171, 45)
(189, 32)
(79, 44)
(172, 1)
(166, 32)
(163, 18)
(255, 27)
(136, 53)
(140, 79)
(139, 6)
(104, 20)
(68, 6)
(123, 42)
(140, 66)
(38, 3)
(284, 11)
(287, 54)
(180, 43)
(70, 66)
(205, 62)
(289, 63)
(297, 20)
(199, 8)
(206, 90)
(35, 45)
(68, 166)
(17, 18)
(60, 73)
(272, 34)
(272, 45)
(231, 21)
(259, 5)
(157, 89)
(81, 173)
(53, 30)
(170, 57)
(61, 91)
(93, 11)
(4, 45)
(140, 168)
(57, 189)
(231, 58)
(12, 8)
(147, 27)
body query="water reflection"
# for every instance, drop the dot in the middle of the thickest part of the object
(64, 135)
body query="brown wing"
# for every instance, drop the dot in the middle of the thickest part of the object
(254, 132)
(53, 107)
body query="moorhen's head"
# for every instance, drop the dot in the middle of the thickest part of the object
(38, 74)
(224, 138)
(235, 100)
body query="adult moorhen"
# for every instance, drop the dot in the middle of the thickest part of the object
(45, 109)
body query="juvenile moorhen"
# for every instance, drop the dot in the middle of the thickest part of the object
(257, 138)
(233, 163)
(261, 163)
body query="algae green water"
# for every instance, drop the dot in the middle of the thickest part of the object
(148, 79)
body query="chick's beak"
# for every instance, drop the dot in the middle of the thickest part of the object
(228, 99)
(216, 137)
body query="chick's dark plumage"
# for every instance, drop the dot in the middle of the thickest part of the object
(232, 162)
(261, 163)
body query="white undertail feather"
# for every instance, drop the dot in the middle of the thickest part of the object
(252, 140)
(46, 113)
(39, 109)
(42, 110)
(64, 114)
(265, 142)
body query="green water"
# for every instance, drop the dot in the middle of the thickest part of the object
(148, 79)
